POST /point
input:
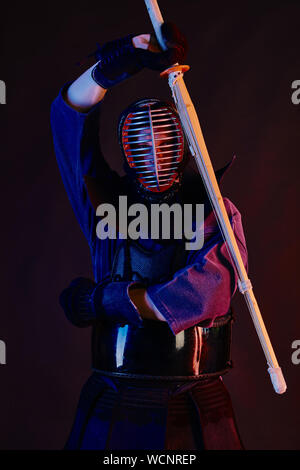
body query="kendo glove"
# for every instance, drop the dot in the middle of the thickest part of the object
(78, 303)
(84, 302)
(119, 59)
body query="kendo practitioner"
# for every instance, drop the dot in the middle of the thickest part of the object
(160, 314)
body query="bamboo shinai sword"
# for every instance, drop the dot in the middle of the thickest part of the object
(199, 151)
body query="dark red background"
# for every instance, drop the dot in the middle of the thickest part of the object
(244, 57)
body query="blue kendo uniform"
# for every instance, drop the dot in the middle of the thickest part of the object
(154, 385)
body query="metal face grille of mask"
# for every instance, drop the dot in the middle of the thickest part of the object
(153, 144)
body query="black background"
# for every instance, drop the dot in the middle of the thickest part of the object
(244, 57)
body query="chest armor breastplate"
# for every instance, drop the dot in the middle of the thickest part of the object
(152, 350)
(133, 262)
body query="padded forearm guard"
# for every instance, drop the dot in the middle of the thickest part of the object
(84, 302)
(119, 59)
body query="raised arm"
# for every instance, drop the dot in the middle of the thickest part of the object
(75, 116)
(120, 59)
(85, 92)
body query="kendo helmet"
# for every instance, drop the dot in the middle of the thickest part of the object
(152, 141)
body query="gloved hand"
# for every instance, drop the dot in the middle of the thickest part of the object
(77, 301)
(119, 59)
(84, 302)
